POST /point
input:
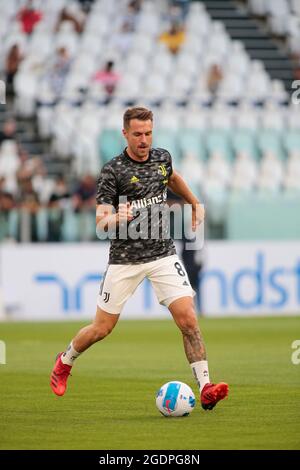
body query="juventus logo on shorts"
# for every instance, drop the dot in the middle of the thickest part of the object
(106, 297)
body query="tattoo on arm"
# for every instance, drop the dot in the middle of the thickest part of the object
(194, 345)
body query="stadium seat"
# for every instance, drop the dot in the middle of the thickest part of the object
(244, 140)
(168, 139)
(192, 170)
(270, 140)
(247, 117)
(215, 197)
(70, 226)
(191, 141)
(219, 141)
(111, 144)
(218, 167)
(244, 176)
(271, 173)
(291, 140)
(255, 216)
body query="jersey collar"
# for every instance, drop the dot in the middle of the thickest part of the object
(135, 161)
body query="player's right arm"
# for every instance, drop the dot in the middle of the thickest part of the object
(106, 216)
(107, 198)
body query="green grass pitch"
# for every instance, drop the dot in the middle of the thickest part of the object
(110, 402)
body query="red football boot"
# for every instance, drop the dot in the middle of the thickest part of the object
(212, 393)
(59, 376)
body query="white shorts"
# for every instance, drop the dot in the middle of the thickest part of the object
(167, 275)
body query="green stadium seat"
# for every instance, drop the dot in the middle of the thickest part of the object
(255, 216)
(292, 140)
(191, 141)
(168, 139)
(218, 140)
(87, 225)
(70, 226)
(42, 224)
(13, 224)
(9, 226)
(111, 144)
(244, 140)
(271, 140)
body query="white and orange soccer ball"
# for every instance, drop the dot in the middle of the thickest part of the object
(175, 399)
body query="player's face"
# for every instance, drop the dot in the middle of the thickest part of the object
(139, 137)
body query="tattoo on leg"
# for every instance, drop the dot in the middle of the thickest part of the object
(194, 345)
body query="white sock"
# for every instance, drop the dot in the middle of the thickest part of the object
(201, 374)
(69, 356)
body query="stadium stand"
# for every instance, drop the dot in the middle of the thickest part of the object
(221, 100)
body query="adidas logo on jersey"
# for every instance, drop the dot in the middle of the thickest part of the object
(134, 179)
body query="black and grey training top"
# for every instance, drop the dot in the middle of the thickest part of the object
(144, 184)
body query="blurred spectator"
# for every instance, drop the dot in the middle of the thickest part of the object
(9, 164)
(174, 38)
(7, 204)
(13, 60)
(131, 16)
(135, 5)
(9, 130)
(55, 219)
(123, 39)
(59, 71)
(84, 195)
(86, 5)
(27, 196)
(60, 191)
(2, 184)
(214, 78)
(29, 203)
(193, 266)
(74, 14)
(178, 9)
(29, 17)
(42, 184)
(108, 78)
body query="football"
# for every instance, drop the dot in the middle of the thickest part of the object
(175, 399)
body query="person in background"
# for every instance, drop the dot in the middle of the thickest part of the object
(29, 202)
(58, 201)
(9, 130)
(179, 9)
(13, 59)
(130, 17)
(29, 17)
(174, 38)
(7, 204)
(193, 266)
(74, 14)
(84, 195)
(59, 70)
(123, 38)
(214, 78)
(108, 78)
(60, 191)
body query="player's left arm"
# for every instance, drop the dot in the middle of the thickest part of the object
(178, 186)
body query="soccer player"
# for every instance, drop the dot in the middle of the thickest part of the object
(142, 174)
